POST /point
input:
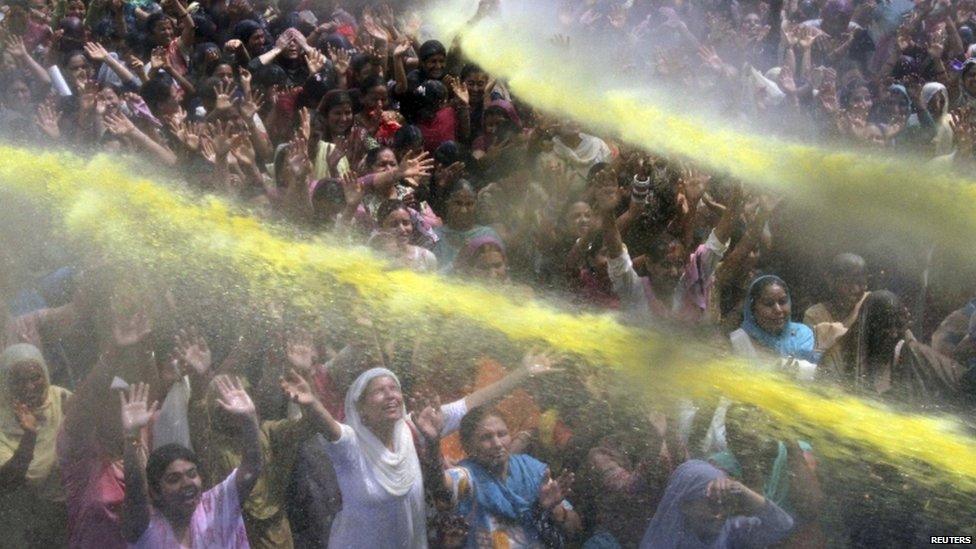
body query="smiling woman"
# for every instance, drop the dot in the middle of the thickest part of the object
(377, 467)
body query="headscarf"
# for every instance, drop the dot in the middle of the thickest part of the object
(49, 417)
(965, 98)
(512, 498)
(668, 528)
(508, 109)
(245, 29)
(397, 470)
(929, 90)
(902, 93)
(469, 253)
(943, 138)
(796, 340)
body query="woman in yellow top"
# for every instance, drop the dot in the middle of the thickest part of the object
(32, 509)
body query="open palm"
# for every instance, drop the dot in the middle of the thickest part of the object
(136, 411)
(233, 398)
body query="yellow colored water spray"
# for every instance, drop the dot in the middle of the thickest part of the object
(138, 222)
(904, 196)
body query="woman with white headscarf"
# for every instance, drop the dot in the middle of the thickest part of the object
(32, 509)
(377, 467)
(931, 123)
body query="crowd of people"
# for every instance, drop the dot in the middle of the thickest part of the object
(128, 417)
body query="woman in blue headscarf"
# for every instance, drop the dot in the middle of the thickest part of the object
(767, 327)
(507, 499)
(766, 331)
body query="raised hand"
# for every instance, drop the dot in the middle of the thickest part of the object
(245, 77)
(221, 136)
(417, 166)
(25, 417)
(402, 48)
(449, 174)
(15, 46)
(807, 35)
(158, 59)
(430, 421)
(725, 491)
(136, 411)
(296, 388)
(460, 90)
(374, 29)
(233, 45)
(340, 59)
(136, 65)
(187, 133)
(192, 350)
(710, 57)
(118, 124)
(300, 350)
(337, 153)
(537, 364)
(233, 398)
(352, 189)
(304, 123)
(936, 46)
(552, 492)
(95, 51)
(130, 329)
(243, 150)
(298, 163)
(47, 118)
(315, 60)
(225, 91)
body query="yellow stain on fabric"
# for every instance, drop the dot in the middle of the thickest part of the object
(140, 223)
(844, 186)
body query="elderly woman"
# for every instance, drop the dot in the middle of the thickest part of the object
(509, 500)
(32, 503)
(377, 466)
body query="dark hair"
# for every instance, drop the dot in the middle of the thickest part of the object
(151, 23)
(407, 137)
(157, 89)
(460, 185)
(373, 154)
(333, 99)
(881, 311)
(470, 421)
(850, 88)
(658, 249)
(371, 81)
(470, 69)
(447, 153)
(431, 48)
(757, 289)
(162, 457)
(434, 95)
(387, 207)
(207, 90)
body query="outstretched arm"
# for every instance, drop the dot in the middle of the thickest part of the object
(533, 365)
(299, 392)
(136, 413)
(235, 401)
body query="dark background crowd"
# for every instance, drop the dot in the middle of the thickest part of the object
(132, 416)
